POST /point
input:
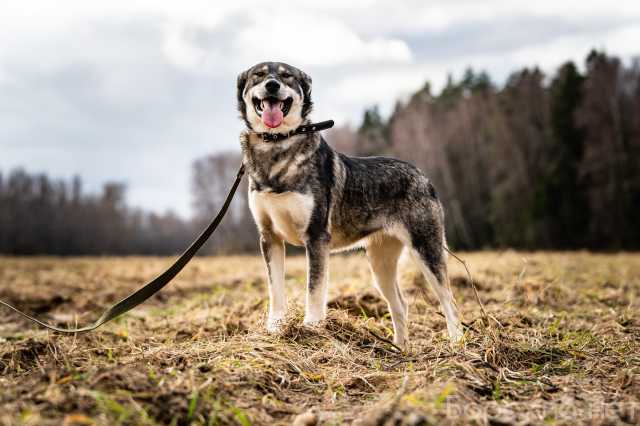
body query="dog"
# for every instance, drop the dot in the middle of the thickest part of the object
(304, 193)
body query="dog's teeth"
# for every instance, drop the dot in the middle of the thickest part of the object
(262, 104)
(280, 105)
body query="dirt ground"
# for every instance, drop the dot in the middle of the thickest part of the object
(560, 345)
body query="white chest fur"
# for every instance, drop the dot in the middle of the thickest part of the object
(286, 213)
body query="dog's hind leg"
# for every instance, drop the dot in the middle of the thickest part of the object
(383, 253)
(273, 252)
(428, 251)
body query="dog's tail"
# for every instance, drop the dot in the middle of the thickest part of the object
(473, 285)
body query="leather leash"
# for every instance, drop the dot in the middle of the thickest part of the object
(151, 288)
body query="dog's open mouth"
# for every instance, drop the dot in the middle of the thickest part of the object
(272, 110)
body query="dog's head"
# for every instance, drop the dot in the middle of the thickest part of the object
(274, 97)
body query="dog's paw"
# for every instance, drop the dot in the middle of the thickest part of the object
(274, 325)
(314, 316)
(313, 323)
(456, 335)
(400, 343)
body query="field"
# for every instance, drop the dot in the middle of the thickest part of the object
(560, 345)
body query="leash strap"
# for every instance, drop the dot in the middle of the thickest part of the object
(308, 128)
(154, 286)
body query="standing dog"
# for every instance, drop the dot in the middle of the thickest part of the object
(304, 193)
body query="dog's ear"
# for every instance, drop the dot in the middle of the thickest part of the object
(305, 84)
(242, 106)
(241, 83)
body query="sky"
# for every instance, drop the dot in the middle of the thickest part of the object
(135, 91)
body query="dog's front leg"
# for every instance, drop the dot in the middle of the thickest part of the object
(317, 279)
(273, 253)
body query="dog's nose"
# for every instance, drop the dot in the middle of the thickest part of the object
(272, 86)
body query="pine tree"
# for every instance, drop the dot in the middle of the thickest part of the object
(560, 197)
(373, 135)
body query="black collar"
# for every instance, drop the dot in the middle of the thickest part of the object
(307, 128)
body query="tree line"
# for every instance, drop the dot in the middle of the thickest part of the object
(39, 215)
(542, 162)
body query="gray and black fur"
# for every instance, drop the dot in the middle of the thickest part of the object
(303, 192)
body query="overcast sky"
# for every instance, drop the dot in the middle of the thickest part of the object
(134, 91)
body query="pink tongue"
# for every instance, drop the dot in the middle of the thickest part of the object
(272, 115)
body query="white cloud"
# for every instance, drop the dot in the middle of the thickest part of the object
(622, 41)
(294, 37)
(180, 52)
(315, 41)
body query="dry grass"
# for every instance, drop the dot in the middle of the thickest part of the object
(567, 350)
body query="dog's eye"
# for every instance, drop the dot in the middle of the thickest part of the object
(260, 74)
(285, 75)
